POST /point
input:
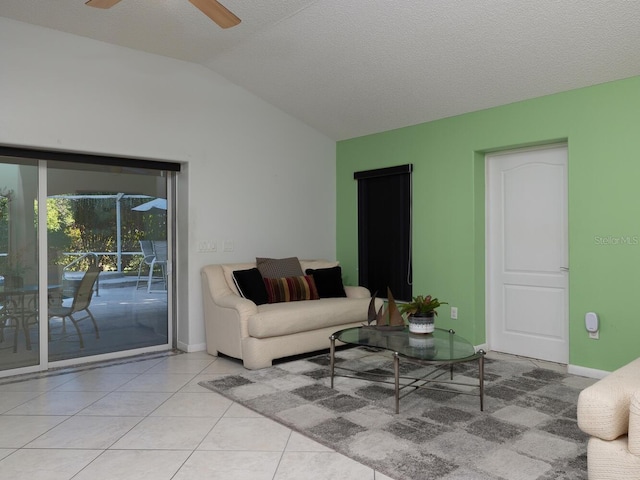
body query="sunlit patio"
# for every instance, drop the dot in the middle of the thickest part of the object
(127, 318)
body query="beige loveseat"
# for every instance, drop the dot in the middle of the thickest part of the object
(609, 411)
(258, 334)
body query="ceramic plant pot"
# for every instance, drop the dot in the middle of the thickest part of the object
(422, 323)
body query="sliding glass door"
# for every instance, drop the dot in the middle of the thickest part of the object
(113, 221)
(105, 289)
(18, 264)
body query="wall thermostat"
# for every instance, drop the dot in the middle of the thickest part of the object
(591, 322)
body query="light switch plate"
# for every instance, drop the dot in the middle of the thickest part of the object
(207, 246)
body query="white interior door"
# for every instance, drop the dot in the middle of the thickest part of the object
(527, 246)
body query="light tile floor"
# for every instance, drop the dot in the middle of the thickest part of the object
(149, 419)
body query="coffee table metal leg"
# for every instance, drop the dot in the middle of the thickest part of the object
(451, 334)
(481, 375)
(332, 356)
(396, 372)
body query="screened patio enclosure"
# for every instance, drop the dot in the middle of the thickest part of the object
(143, 217)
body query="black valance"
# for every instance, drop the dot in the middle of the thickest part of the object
(74, 157)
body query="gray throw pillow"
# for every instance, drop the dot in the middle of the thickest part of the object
(279, 267)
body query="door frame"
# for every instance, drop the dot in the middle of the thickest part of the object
(487, 237)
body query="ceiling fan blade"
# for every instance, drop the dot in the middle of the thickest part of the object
(217, 12)
(101, 3)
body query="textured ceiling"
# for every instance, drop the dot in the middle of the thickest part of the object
(354, 67)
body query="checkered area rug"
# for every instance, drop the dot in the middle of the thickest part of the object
(527, 431)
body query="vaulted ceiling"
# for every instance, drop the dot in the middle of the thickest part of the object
(354, 67)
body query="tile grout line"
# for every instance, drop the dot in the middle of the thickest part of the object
(148, 415)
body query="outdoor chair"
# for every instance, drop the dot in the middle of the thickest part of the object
(81, 302)
(148, 257)
(11, 306)
(55, 292)
(160, 261)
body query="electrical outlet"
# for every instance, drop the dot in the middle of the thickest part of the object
(228, 246)
(594, 335)
(454, 313)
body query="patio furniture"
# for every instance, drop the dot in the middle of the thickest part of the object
(160, 261)
(81, 302)
(155, 257)
(12, 306)
(19, 305)
(148, 257)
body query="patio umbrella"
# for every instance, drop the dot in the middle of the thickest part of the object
(153, 205)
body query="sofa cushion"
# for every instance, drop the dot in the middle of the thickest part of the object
(611, 460)
(277, 319)
(328, 281)
(251, 285)
(279, 267)
(634, 424)
(315, 264)
(291, 289)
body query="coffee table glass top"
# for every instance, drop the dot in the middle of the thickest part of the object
(439, 346)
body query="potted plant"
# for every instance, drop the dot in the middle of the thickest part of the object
(421, 313)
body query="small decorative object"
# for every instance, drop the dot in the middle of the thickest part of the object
(422, 312)
(388, 317)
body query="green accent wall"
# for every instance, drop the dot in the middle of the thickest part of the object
(601, 125)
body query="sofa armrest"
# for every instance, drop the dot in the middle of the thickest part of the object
(603, 408)
(603, 412)
(634, 424)
(225, 313)
(228, 316)
(357, 292)
(243, 306)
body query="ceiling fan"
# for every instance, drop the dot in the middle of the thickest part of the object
(211, 8)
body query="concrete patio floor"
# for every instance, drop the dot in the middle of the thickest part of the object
(127, 318)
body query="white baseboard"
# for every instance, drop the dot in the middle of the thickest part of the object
(586, 372)
(572, 369)
(198, 347)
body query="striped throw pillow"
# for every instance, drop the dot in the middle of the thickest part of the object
(291, 289)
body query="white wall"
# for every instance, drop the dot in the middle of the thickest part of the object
(253, 175)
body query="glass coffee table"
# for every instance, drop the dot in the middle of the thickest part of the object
(442, 347)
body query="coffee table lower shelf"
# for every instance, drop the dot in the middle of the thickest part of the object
(415, 383)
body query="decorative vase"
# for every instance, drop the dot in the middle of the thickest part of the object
(422, 323)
